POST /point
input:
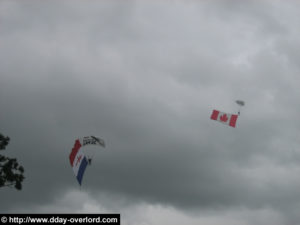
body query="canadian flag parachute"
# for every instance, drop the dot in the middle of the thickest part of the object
(225, 118)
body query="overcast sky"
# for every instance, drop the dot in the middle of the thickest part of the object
(145, 76)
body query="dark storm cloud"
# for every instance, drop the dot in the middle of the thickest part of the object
(145, 77)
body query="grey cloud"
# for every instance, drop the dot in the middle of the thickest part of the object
(145, 77)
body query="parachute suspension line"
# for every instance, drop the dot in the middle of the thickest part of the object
(92, 140)
(90, 153)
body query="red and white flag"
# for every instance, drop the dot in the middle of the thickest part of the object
(226, 118)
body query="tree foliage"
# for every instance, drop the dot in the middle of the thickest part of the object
(11, 173)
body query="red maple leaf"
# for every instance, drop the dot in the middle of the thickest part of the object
(224, 118)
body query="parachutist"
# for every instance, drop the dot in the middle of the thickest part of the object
(90, 161)
(240, 103)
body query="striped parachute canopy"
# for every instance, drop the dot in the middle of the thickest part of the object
(78, 158)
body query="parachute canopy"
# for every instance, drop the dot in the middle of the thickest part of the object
(77, 158)
(240, 102)
(92, 140)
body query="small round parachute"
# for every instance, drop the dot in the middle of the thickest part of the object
(240, 102)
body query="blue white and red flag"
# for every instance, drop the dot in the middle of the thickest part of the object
(78, 161)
